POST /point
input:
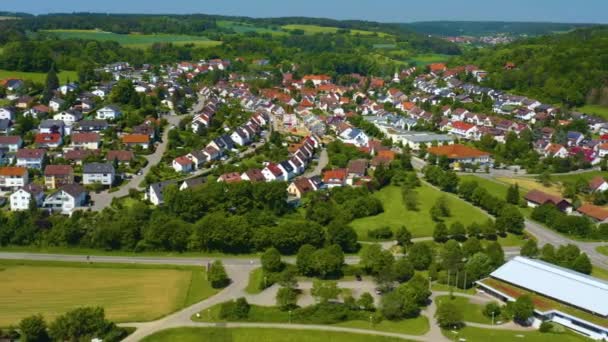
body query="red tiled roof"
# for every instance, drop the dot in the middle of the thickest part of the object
(183, 160)
(58, 170)
(595, 212)
(539, 197)
(231, 177)
(596, 182)
(13, 171)
(9, 139)
(457, 151)
(332, 175)
(136, 139)
(120, 155)
(30, 153)
(463, 126)
(47, 138)
(85, 137)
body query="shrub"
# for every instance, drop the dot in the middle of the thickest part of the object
(545, 327)
(380, 233)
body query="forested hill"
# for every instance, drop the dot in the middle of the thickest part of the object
(567, 68)
(490, 28)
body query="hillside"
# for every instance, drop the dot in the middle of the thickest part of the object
(570, 69)
(490, 28)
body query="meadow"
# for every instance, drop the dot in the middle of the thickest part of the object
(127, 292)
(601, 111)
(262, 335)
(419, 222)
(471, 334)
(134, 40)
(38, 77)
(314, 29)
(245, 27)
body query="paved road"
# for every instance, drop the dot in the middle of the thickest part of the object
(323, 161)
(104, 199)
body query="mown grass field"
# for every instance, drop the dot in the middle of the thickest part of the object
(134, 40)
(472, 312)
(256, 279)
(265, 314)
(600, 273)
(419, 223)
(260, 335)
(38, 77)
(423, 60)
(471, 334)
(127, 292)
(245, 27)
(314, 29)
(601, 111)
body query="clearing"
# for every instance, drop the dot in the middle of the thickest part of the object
(419, 223)
(471, 334)
(599, 110)
(261, 334)
(135, 40)
(472, 312)
(314, 29)
(38, 77)
(271, 314)
(127, 292)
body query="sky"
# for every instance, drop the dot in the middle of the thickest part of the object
(571, 11)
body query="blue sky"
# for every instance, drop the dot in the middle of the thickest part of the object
(594, 11)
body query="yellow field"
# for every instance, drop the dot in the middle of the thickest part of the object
(531, 184)
(126, 293)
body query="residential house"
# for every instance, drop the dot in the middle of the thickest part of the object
(11, 143)
(86, 141)
(300, 186)
(272, 172)
(537, 198)
(31, 158)
(354, 136)
(192, 183)
(78, 156)
(556, 150)
(90, 126)
(13, 177)
(7, 113)
(69, 117)
(48, 140)
(53, 126)
(56, 104)
(356, 168)
(230, 177)
(133, 140)
(460, 155)
(182, 164)
(120, 157)
(98, 173)
(37, 111)
(154, 192)
(198, 158)
(22, 199)
(335, 178)
(595, 213)
(598, 184)
(6, 126)
(56, 176)
(110, 112)
(253, 175)
(465, 130)
(67, 199)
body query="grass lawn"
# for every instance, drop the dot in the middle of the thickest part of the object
(498, 189)
(602, 249)
(423, 60)
(601, 111)
(256, 277)
(528, 184)
(127, 292)
(600, 273)
(38, 77)
(471, 312)
(586, 176)
(266, 314)
(418, 222)
(260, 335)
(471, 334)
(314, 29)
(134, 39)
(445, 288)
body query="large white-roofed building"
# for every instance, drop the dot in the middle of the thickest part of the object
(560, 295)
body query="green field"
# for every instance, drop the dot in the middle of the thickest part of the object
(256, 278)
(265, 314)
(585, 175)
(600, 273)
(245, 27)
(127, 292)
(472, 312)
(260, 335)
(601, 111)
(134, 39)
(471, 334)
(419, 223)
(314, 29)
(423, 60)
(602, 249)
(38, 77)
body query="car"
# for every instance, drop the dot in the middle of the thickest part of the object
(140, 173)
(378, 291)
(358, 277)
